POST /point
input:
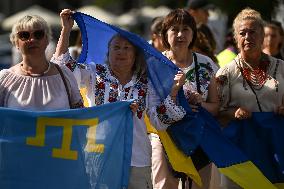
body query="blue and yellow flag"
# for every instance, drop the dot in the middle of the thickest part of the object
(261, 139)
(203, 129)
(85, 148)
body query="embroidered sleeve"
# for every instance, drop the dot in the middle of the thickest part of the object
(223, 87)
(81, 72)
(162, 113)
(65, 59)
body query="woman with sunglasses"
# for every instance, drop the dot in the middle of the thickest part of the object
(35, 83)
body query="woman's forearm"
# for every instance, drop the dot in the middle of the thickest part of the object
(63, 42)
(212, 107)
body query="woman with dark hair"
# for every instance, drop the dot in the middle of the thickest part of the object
(179, 34)
(156, 39)
(123, 77)
(273, 39)
(202, 44)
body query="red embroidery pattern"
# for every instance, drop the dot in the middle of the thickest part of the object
(100, 84)
(141, 86)
(103, 80)
(162, 109)
(71, 65)
(162, 114)
(126, 92)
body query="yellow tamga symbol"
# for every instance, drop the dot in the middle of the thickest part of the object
(65, 152)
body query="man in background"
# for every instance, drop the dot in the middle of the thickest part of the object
(199, 10)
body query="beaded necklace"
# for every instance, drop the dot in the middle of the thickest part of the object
(256, 76)
(33, 74)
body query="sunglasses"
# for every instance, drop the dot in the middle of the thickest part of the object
(26, 35)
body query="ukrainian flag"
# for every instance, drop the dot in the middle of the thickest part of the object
(261, 139)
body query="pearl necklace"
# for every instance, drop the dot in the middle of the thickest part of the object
(33, 74)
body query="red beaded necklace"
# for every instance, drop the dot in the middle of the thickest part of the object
(256, 76)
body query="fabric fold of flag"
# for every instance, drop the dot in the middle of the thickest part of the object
(86, 148)
(229, 159)
(179, 161)
(161, 71)
(261, 136)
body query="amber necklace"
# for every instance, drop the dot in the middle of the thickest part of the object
(33, 74)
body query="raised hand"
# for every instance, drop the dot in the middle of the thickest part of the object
(179, 81)
(67, 21)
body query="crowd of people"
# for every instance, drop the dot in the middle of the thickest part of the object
(248, 76)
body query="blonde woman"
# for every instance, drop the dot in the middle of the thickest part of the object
(253, 81)
(35, 83)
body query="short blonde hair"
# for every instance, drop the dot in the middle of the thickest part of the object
(29, 21)
(247, 14)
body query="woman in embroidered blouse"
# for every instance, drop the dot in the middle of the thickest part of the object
(123, 78)
(253, 81)
(179, 34)
(35, 83)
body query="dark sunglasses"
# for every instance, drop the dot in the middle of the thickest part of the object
(26, 35)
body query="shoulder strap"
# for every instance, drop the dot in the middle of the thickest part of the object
(274, 74)
(250, 85)
(65, 84)
(196, 68)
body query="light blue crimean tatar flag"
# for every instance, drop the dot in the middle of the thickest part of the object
(76, 149)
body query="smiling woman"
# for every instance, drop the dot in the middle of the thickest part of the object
(124, 77)
(123, 57)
